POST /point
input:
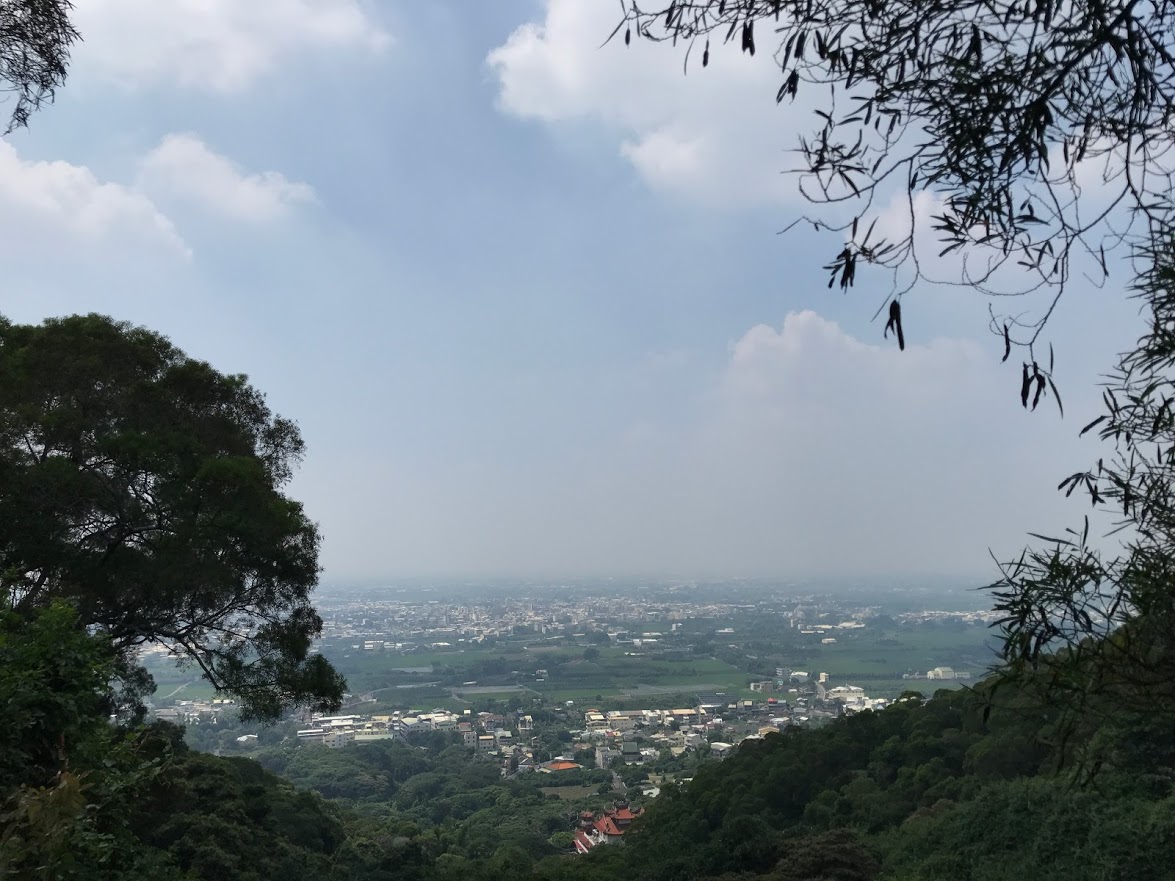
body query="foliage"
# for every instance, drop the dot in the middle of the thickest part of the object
(35, 39)
(1091, 633)
(144, 487)
(1002, 110)
(961, 786)
(228, 818)
(68, 779)
(83, 799)
(1041, 826)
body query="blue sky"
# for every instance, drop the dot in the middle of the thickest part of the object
(525, 295)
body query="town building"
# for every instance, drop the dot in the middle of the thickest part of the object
(606, 828)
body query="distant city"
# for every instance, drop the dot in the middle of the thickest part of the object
(563, 678)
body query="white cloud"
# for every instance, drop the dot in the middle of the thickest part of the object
(183, 167)
(218, 45)
(67, 209)
(714, 134)
(62, 208)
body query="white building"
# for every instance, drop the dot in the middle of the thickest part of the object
(847, 694)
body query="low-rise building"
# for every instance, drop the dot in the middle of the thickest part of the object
(337, 739)
(608, 827)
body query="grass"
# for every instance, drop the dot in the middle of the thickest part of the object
(887, 655)
(873, 660)
(194, 689)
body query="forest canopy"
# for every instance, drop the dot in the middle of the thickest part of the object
(145, 489)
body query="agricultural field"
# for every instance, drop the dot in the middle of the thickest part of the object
(887, 654)
(617, 676)
(174, 683)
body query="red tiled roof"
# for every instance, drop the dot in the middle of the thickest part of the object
(562, 766)
(608, 826)
(582, 843)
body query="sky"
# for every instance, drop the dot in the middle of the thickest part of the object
(526, 297)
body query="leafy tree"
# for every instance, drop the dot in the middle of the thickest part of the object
(53, 682)
(144, 488)
(1092, 633)
(229, 818)
(833, 856)
(510, 861)
(68, 780)
(999, 108)
(35, 39)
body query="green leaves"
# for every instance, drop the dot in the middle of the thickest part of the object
(144, 487)
(991, 108)
(35, 40)
(68, 779)
(1090, 632)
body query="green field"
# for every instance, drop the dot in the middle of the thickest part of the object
(872, 659)
(887, 655)
(173, 683)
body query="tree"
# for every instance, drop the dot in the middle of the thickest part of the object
(35, 39)
(997, 108)
(53, 680)
(69, 781)
(591, 653)
(1088, 633)
(144, 488)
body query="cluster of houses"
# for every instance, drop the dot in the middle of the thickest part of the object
(611, 733)
(608, 827)
(486, 732)
(737, 719)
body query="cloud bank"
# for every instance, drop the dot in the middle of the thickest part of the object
(185, 168)
(216, 45)
(713, 135)
(62, 207)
